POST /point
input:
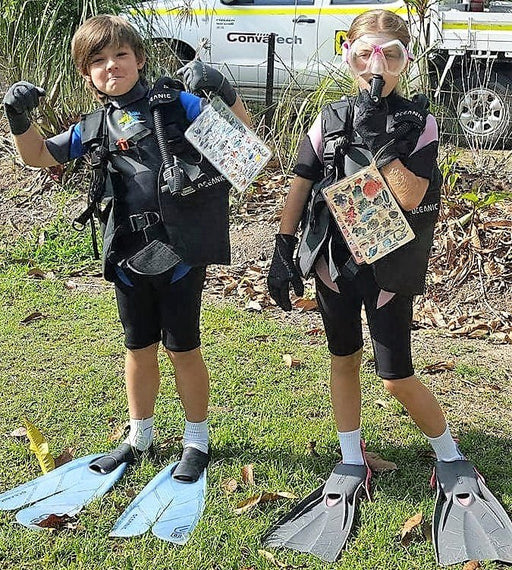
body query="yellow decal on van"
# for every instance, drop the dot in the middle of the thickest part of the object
(339, 37)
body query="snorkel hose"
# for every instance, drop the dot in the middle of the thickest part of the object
(376, 85)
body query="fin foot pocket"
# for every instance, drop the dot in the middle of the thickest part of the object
(124, 453)
(193, 462)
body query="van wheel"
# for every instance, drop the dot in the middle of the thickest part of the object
(168, 55)
(483, 108)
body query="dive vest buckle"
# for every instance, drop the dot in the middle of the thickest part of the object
(140, 222)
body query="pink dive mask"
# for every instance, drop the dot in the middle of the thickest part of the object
(367, 55)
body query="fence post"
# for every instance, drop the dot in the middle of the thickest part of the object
(269, 85)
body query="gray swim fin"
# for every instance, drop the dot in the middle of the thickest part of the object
(65, 491)
(321, 523)
(468, 523)
(169, 507)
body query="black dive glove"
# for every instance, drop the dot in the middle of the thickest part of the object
(283, 271)
(201, 77)
(370, 122)
(20, 99)
(410, 118)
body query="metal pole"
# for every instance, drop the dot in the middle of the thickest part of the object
(269, 86)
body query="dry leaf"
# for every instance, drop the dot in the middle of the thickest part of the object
(20, 432)
(377, 464)
(70, 285)
(439, 367)
(39, 446)
(311, 448)
(382, 403)
(131, 493)
(290, 361)
(265, 497)
(230, 485)
(36, 315)
(253, 306)
(409, 528)
(59, 522)
(305, 304)
(471, 565)
(248, 474)
(36, 272)
(248, 504)
(65, 457)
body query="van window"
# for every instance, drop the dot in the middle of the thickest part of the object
(275, 2)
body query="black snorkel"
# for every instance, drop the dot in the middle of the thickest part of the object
(376, 85)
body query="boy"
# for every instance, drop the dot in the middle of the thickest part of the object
(155, 245)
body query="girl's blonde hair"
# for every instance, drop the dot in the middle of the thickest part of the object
(375, 21)
(99, 32)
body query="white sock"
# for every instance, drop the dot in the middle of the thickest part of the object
(196, 435)
(141, 433)
(350, 443)
(445, 447)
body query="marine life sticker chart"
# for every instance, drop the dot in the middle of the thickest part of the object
(368, 215)
(219, 135)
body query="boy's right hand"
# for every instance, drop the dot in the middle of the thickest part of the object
(284, 272)
(20, 99)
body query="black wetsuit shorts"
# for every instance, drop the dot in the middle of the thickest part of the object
(390, 325)
(153, 309)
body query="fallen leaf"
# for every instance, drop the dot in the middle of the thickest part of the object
(471, 565)
(230, 485)
(382, 403)
(290, 361)
(65, 457)
(264, 497)
(59, 522)
(36, 272)
(70, 285)
(311, 448)
(377, 464)
(305, 304)
(131, 493)
(39, 446)
(248, 504)
(20, 432)
(439, 367)
(253, 306)
(36, 315)
(409, 528)
(248, 474)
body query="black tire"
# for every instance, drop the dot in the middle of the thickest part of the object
(482, 106)
(168, 55)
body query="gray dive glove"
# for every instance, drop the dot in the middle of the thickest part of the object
(198, 76)
(21, 98)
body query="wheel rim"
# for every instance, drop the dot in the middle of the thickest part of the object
(482, 112)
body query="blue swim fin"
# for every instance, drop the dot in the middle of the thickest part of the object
(170, 508)
(63, 491)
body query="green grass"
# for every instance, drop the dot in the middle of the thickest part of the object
(65, 373)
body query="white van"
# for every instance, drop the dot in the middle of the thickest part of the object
(233, 35)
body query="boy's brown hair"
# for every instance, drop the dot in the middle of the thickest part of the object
(99, 32)
(375, 21)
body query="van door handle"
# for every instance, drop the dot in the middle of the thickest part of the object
(303, 20)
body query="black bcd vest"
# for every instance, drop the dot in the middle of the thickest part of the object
(134, 210)
(403, 270)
